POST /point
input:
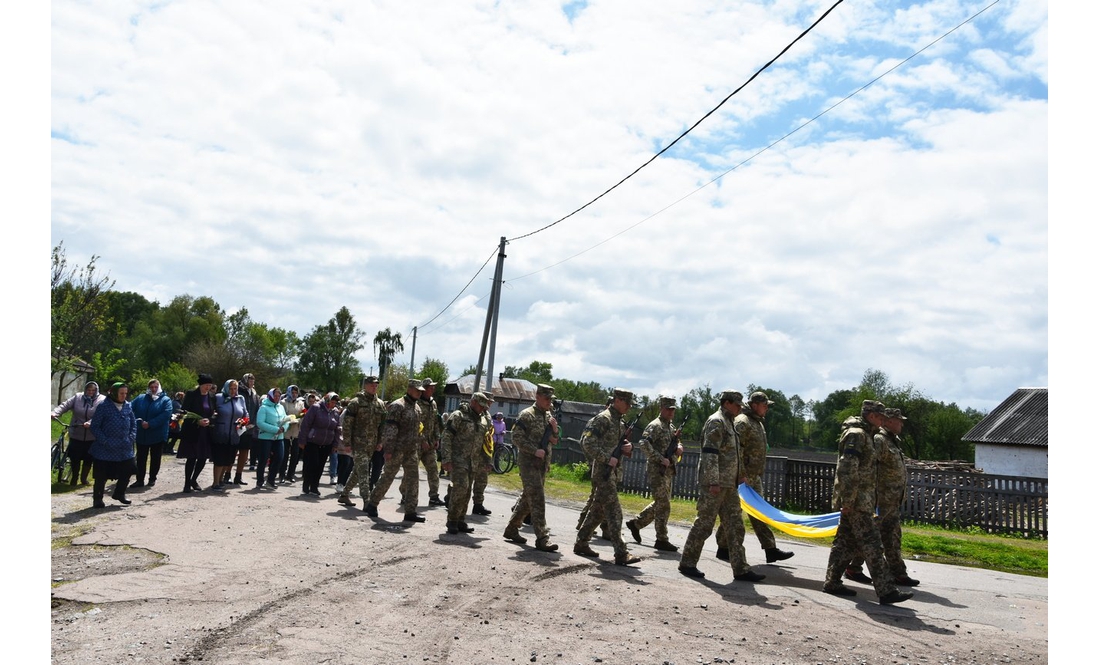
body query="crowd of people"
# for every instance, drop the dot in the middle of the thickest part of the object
(365, 443)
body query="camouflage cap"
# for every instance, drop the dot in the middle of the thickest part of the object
(622, 393)
(414, 384)
(545, 390)
(370, 378)
(873, 406)
(759, 397)
(731, 396)
(427, 383)
(666, 402)
(482, 399)
(894, 413)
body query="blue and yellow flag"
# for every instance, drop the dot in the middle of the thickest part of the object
(806, 526)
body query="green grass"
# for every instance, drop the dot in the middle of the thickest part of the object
(970, 547)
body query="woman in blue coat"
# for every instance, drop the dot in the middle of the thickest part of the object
(115, 430)
(271, 427)
(231, 408)
(153, 410)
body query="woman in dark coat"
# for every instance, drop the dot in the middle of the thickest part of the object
(318, 433)
(199, 409)
(82, 406)
(115, 430)
(226, 436)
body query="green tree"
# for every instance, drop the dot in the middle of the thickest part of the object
(780, 420)
(698, 404)
(434, 369)
(387, 344)
(589, 392)
(78, 313)
(327, 360)
(171, 331)
(537, 372)
(396, 382)
(469, 371)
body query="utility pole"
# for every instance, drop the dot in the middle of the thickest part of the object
(412, 357)
(490, 322)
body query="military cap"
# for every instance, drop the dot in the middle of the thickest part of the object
(622, 393)
(482, 399)
(894, 413)
(370, 378)
(731, 396)
(427, 383)
(759, 397)
(414, 384)
(666, 402)
(873, 406)
(545, 390)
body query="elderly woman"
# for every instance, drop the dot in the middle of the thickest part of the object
(115, 430)
(271, 426)
(199, 407)
(231, 408)
(295, 406)
(318, 433)
(82, 406)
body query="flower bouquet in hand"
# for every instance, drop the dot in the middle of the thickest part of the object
(243, 425)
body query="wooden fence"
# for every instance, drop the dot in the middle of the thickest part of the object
(957, 499)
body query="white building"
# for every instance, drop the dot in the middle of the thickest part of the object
(1012, 439)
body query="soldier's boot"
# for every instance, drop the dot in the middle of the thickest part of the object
(345, 500)
(905, 580)
(838, 590)
(665, 546)
(370, 509)
(584, 549)
(465, 528)
(626, 558)
(857, 575)
(692, 571)
(773, 554)
(749, 576)
(895, 596)
(435, 501)
(634, 530)
(451, 528)
(480, 509)
(544, 545)
(412, 517)
(723, 554)
(512, 533)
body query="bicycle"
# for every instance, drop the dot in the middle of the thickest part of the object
(61, 465)
(504, 457)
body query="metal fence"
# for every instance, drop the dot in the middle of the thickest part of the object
(958, 499)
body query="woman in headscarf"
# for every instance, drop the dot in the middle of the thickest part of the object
(231, 408)
(199, 407)
(316, 438)
(294, 405)
(83, 406)
(115, 430)
(271, 427)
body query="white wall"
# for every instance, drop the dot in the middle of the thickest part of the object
(1024, 461)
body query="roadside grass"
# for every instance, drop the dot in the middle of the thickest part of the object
(972, 548)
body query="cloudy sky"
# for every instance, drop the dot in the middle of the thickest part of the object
(295, 157)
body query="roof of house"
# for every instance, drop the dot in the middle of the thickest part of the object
(502, 390)
(1020, 420)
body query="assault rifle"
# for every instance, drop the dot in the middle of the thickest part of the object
(674, 443)
(617, 452)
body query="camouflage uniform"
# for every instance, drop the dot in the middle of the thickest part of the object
(400, 440)
(601, 435)
(363, 424)
(528, 433)
(719, 464)
(462, 442)
(654, 443)
(433, 427)
(753, 439)
(891, 483)
(854, 495)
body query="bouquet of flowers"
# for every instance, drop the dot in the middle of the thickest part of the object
(242, 425)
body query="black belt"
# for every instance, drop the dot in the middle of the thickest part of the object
(712, 451)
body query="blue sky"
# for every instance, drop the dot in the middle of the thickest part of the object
(295, 157)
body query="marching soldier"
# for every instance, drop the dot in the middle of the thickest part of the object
(534, 435)
(753, 440)
(363, 425)
(658, 440)
(400, 439)
(462, 443)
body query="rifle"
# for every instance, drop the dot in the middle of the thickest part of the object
(674, 442)
(617, 451)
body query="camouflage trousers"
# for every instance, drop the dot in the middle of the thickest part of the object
(481, 478)
(431, 467)
(604, 508)
(360, 471)
(660, 485)
(726, 506)
(462, 476)
(407, 460)
(856, 535)
(532, 471)
(888, 523)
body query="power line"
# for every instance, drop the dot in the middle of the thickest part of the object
(494, 253)
(689, 129)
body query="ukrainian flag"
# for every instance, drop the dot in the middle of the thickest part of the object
(806, 526)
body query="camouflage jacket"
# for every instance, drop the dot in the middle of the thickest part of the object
(529, 430)
(430, 418)
(854, 486)
(891, 480)
(363, 421)
(599, 439)
(464, 434)
(654, 443)
(753, 439)
(719, 458)
(401, 430)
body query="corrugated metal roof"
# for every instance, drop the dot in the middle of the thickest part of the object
(1019, 420)
(518, 390)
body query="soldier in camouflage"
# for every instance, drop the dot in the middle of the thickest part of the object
(656, 440)
(428, 443)
(482, 466)
(601, 437)
(400, 439)
(854, 496)
(753, 439)
(719, 473)
(462, 443)
(363, 426)
(534, 435)
(891, 483)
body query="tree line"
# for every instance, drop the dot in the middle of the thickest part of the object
(125, 336)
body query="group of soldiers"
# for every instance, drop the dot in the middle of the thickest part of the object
(870, 474)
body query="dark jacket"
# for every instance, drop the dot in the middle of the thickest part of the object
(320, 425)
(155, 410)
(115, 430)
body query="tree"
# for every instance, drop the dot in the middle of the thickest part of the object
(469, 371)
(780, 421)
(434, 369)
(589, 392)
(173, 330)
(78, 313)
(327, 360)
(387, 344)
(537, 372)
(699, 403)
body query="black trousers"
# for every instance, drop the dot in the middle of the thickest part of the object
(313, 465)
(152, 455)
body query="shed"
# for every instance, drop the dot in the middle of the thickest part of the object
(1012, 439)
